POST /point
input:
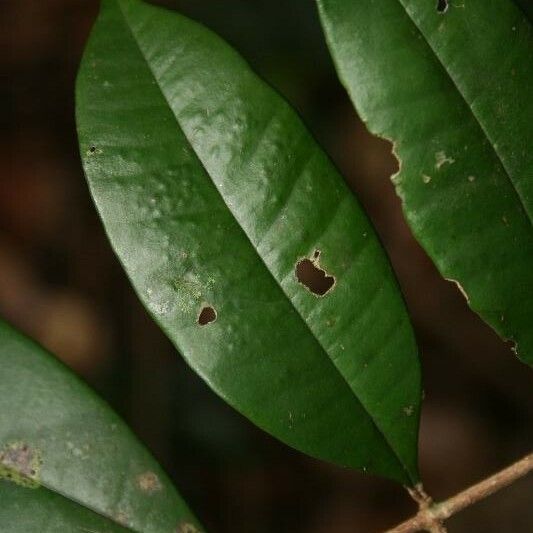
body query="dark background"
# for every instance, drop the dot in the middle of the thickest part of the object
(61, 284)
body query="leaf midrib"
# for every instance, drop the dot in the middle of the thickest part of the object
(344, 380)
(492, 144)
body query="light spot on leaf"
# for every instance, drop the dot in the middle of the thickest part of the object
(425, 178)
(192, 288)
(149, 482)
(80, 453)
(93, 150)
(121, 517)
(187, 527)
(441, 158)
(409, 410)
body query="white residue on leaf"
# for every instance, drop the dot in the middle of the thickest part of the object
(408, 410)
(441, 158)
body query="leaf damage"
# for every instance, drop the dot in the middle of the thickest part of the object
(21, 464)
(314, 278)
(461, 289)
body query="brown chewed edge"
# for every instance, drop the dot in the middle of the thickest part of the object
(21, 464)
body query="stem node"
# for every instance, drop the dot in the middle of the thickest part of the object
(431, 516)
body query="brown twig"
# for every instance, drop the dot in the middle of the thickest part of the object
(431, 515)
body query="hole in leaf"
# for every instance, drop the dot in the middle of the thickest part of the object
(207, 315)
(442, 6)
(312, 277)
(92, 149)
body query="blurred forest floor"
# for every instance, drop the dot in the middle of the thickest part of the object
(61, 284)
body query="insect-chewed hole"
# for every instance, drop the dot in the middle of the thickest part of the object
(207, 315)
(442, 6)
(314, 278)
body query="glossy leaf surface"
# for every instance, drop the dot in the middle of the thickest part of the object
(212, 192)
(451, 89)
(67, 462)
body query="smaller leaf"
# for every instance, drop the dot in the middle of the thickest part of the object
(67, 461)
(431, 78)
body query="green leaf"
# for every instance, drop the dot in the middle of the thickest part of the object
(451, 90)
(67, 461)
(215, 197)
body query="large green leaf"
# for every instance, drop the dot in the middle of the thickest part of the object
(451, 89)
(213, 194)
(67, 462)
